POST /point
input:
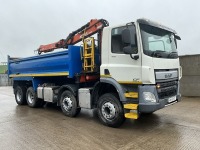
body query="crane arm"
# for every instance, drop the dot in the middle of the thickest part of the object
(85, 31)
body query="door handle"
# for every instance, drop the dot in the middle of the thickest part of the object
(135, 57)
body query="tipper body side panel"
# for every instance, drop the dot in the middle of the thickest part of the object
(67, 62)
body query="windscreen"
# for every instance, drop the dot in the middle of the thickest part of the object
(158, 42)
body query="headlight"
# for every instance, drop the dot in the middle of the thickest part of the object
(148, 96)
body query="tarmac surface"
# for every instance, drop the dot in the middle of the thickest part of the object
(24, 128)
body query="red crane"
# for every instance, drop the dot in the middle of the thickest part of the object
(92, 27)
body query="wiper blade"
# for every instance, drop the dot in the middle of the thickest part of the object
(172, 55)
(157, 53)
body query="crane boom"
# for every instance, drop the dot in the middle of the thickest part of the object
(92, 27)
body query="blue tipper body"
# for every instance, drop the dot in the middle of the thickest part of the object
(59, 63)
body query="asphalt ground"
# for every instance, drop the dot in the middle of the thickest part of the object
(23, 128)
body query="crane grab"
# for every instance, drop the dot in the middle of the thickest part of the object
(92, 27)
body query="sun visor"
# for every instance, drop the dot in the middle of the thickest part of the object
(155, 24)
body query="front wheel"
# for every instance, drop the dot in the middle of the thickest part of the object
(69, 104)
(110, 110)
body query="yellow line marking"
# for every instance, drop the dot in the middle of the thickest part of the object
(106, 76)
(40, 75)
(129, 82)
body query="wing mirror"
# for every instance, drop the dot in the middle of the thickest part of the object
(129, 42)
(126, 36)
(177, 37)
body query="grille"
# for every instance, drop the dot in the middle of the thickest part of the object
(167, 89)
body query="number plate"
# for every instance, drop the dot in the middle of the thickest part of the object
(171, 99)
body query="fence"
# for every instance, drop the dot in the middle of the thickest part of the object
(4, 80)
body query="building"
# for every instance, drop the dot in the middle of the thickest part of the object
(4, 80)
(190, 82)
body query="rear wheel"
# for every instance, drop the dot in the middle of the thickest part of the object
(31, 98)
(20, 95)
(69, 104)
(110, 110)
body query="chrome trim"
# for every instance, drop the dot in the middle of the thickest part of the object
(171, 103)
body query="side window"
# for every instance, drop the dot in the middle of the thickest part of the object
(116, 39)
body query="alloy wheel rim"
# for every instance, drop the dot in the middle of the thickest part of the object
(67, 104)
(108, 111)
(30, 97)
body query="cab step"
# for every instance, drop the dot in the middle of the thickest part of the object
(131, 106)
(133, 111)
(131, 115)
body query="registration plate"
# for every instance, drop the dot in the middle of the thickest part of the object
(171, 99)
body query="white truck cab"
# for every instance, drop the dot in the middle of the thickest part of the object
(141, 60)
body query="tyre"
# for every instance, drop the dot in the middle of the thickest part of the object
(20, 95)
(110, 111)
(69, 104)
(31, 98)
(78, 110)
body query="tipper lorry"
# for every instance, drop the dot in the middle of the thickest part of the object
(124, 72)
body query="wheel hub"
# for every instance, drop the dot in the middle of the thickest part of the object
(108, 110)
(67, 103)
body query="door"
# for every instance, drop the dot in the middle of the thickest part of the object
(121, 66)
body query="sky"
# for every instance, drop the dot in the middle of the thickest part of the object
(27, 24)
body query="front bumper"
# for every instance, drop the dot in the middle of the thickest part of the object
(149, 107)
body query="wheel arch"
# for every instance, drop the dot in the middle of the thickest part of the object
(107, 85)
(22, 84)
(71, 87)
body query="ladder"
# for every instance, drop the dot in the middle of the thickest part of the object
(88, 54)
